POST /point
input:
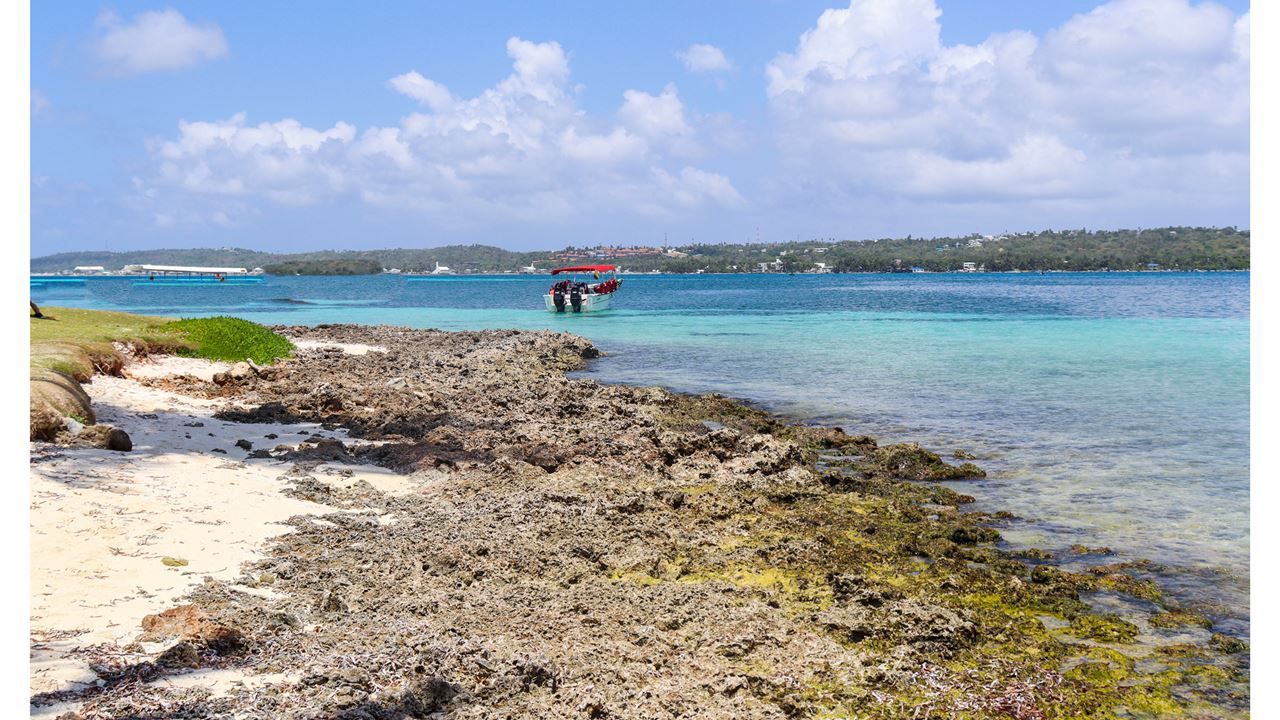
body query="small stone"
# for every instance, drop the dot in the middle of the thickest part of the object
(397, 382)
(271, 436)
(220, 451)
(118, 440)
(173, 561)
(181, 655)
(244, 444)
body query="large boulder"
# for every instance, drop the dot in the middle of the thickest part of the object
(54, 397)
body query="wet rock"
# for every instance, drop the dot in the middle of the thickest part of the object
(909, 461)
(1107, 628)
(1228, 644)
(244, 444)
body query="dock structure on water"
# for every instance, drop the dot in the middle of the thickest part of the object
(184, 270)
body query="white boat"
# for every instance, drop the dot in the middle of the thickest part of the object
(578, 296)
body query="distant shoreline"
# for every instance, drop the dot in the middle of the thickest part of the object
(1166, 248)
(37, 276)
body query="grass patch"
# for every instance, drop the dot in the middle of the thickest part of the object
(101, 327)
(78, 342)
(231, 339)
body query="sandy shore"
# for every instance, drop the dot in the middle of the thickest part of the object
(428, 524)
(118, 536)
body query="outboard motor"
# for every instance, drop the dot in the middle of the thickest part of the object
(557, 296)
(575, 298)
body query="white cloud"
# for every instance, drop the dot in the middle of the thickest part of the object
(520, 149)
(1101, 106)
(428, 92)
(704, 58)
(659, 118)
(156, 40)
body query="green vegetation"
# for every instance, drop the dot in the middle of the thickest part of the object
(1175, 248)
(79, 342)
(1170, 248)
(230, 338)
(101, 327)
(350, 266)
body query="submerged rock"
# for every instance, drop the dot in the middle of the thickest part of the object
(909, 461)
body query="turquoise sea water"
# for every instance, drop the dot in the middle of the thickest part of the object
(1108, 408)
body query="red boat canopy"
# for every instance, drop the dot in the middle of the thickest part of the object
(585, 268)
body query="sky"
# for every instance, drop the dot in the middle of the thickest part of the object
(539, 125)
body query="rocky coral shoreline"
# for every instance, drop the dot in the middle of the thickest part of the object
(578, 550)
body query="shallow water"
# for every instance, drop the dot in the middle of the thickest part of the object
(1109, 409)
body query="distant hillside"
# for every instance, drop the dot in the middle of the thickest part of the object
(477, 258)
(324, 267)
(1172, 248)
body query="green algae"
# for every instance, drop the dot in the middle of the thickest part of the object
(1107, 628)
(877, 538)
(1179, 618)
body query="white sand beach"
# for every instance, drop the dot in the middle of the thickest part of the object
(120, 535)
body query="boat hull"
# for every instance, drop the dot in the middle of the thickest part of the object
(590, 303)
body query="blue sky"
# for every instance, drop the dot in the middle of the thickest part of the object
(539, 125)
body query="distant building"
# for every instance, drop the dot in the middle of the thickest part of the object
(969, 267)
(89, 270)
